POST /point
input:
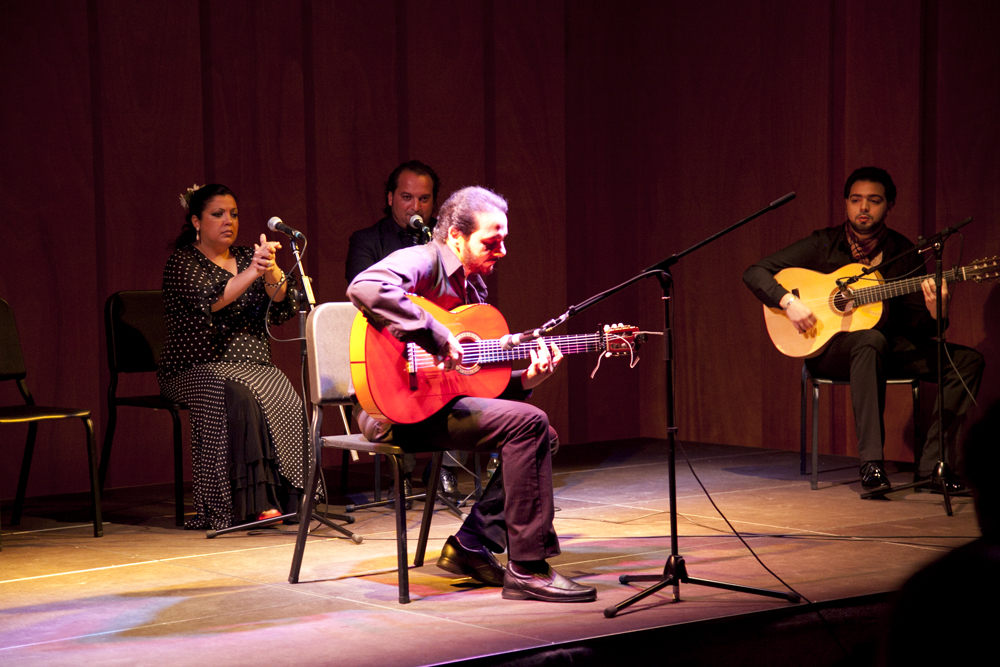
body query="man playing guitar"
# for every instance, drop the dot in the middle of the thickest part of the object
(516, 510)
(900, 344)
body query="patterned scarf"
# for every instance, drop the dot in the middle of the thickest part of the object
(866, 248)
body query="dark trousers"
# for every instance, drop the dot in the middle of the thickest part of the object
(867, 358)
(517, 508)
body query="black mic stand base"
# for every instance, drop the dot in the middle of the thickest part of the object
(675, 573)
(938, 480)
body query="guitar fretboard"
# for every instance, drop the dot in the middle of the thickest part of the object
(895, 288)
(491, 351)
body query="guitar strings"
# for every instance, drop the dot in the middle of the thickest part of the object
(491, 351)
(880, 291)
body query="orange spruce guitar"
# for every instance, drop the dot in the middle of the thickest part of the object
(399, 383)
(860, 309)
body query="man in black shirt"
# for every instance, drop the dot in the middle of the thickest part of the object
(899, 345)
(411, 189)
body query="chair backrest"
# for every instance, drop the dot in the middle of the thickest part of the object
(328, 339)
(11, 359)
(136, 328)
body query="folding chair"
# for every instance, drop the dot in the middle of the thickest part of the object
(135, 328)
(12, 368)
(328, 332)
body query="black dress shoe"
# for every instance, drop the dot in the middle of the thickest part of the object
(548, 587)
(873, 477)
(448, 483)
(480, 564)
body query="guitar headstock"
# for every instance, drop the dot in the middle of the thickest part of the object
(620, 339)
(982, 269)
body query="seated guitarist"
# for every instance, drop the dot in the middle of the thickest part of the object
(516, 510)
(900, 345)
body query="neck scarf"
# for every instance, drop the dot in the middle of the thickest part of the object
(866, 248)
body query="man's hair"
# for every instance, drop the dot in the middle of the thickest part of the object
(418, 168)
(460, 209)
(872, 175)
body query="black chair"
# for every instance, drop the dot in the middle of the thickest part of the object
(12, 368)
(810, 380)
(136, 328)
(328, 331)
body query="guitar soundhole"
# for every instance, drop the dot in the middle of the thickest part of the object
(470, 355)
(842, 304)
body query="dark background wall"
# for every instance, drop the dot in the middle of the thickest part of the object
(621, 133)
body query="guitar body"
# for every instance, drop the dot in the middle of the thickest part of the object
(834, 314)
(389, 392)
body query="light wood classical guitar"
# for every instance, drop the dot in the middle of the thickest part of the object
(859, 308)
(400, 383)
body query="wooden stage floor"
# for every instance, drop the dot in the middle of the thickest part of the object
(148, 593)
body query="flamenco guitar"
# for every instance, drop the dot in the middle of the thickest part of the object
(859, 308)
(399, 382)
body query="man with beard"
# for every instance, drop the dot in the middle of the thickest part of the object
(900, 345)
(516, 510)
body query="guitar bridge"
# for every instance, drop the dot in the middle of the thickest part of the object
(411, 364)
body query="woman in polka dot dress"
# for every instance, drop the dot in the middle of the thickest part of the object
(247, 426)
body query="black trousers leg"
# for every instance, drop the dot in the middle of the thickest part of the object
(859, 357)
(919, 359)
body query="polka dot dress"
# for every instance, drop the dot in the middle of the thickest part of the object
(203, 351)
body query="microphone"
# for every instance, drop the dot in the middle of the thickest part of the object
(276, 225)
(510, 341)
(417, 223)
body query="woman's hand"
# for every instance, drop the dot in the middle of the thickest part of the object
(263, 258)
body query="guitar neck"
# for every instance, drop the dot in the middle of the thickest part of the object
(491, 351)
(896, 288)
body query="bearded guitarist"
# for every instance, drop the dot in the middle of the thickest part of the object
(516, 510)
(900, 344)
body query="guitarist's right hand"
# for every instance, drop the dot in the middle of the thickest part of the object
(801, 316)
(449, 357)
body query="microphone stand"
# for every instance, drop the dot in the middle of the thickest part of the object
(941, 474)
(674, 571)
(306, 302)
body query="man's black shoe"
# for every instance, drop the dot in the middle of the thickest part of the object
(480, 564)
(873, 477)
(448, 484)
(548, 587)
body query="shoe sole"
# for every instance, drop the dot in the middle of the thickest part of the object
(453, 567)
(519, 594)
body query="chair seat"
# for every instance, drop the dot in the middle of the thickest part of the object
(358, 443)
(154, 401)
(32, 413)
(808, 379)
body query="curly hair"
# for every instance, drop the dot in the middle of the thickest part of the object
(460, 209)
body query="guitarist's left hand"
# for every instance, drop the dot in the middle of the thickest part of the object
(543, 364)
(930, 297)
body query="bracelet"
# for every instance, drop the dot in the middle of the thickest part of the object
(787, 303)
(277, 284)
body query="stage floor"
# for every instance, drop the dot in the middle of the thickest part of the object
(149, 593)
